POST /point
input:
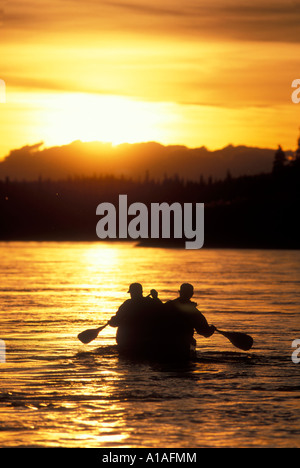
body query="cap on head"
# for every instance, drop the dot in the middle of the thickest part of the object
(186, 290)
(135, 288)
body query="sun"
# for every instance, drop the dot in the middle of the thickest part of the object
(67, 117)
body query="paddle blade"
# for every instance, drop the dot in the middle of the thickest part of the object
(89, 335)
(239, 340)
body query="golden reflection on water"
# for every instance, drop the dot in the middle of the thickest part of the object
(108, 433)
(101, 256)
(57, 391)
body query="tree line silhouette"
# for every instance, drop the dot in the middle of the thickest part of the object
(257, 211)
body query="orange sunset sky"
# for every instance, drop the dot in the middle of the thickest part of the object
(193, 72)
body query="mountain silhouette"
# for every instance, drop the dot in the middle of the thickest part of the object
(89, 159)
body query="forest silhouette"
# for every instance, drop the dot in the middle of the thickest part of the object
(257, 211)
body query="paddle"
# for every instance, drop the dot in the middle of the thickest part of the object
(238, 339)
(89, 335)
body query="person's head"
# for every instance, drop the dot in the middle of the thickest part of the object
(135, 290)
(186, 291)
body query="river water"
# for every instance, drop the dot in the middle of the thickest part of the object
(55, 391)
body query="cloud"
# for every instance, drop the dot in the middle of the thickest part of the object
(55, 85)
(145, 8)
(261, 20)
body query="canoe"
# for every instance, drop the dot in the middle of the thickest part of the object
(169, 351)
(137, 345)
(159, 356)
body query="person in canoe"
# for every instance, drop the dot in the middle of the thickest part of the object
(136, 319)
(181, 318)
